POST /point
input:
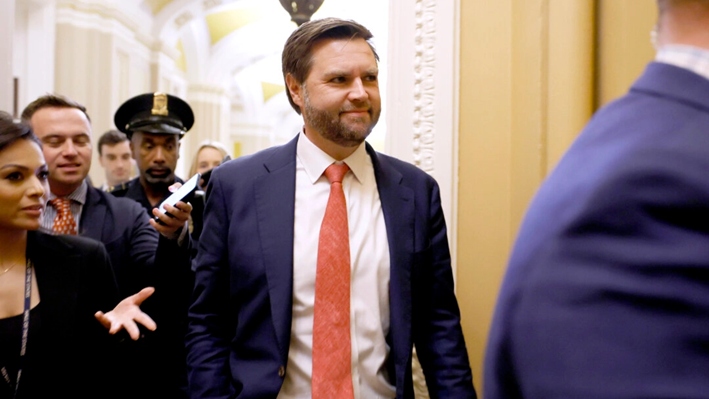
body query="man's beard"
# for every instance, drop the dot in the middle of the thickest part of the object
(159, 181)
(333, 129)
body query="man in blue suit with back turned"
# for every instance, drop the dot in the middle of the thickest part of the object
(322, 263)
(607, 290)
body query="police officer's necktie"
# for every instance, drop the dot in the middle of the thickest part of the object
(332, 349)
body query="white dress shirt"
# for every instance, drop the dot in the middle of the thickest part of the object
(692, 58)
(369, 255)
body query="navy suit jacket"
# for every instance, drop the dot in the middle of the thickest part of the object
(240, 320)
(607, 290)
(122, 226)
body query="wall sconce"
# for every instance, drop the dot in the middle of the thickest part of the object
(301, 10)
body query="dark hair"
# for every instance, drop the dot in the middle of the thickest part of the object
(297, 54)
(11, 131)
(111, 137)
(51, 101)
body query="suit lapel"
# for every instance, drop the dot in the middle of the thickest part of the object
(275, 205)
(93, 216)
(399, 215)
(274, 198)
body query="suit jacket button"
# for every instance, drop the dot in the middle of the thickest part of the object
(281, 371)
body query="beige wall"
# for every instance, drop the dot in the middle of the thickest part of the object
(624, 35)
(529, 70)
(86, 82)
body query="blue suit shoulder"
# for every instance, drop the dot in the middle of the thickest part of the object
(115, 199)
(411, 175)
(271, 159)
(269, 155)
(257, 164)
(404, 167)
(118, 208)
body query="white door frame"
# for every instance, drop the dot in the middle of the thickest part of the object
(422, 97)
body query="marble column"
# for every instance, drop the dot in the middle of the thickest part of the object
(211, 106)
(7, 28)
(35, 29)
(96, 52)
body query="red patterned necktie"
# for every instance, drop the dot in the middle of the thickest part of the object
(332, 349)
(64, 222)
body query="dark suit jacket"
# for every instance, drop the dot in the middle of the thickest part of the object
(240, 321)
(607, 290)
(139, 254)
(142, 257)
(77, 355)
(122, 226)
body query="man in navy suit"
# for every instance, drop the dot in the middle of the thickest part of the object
(607, 290)
(252, 329)
(142, 252)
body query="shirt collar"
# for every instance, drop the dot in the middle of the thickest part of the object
(78, 195)
(315, 160)
(692, 58)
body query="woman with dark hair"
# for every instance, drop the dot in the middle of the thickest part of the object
(53, 289)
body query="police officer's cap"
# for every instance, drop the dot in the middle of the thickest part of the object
(154, 113)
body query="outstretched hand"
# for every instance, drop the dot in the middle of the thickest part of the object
(127, 314)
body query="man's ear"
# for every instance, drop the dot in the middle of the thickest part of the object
(295, 89)
(179, 143)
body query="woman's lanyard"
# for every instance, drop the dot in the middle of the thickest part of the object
(25, 328)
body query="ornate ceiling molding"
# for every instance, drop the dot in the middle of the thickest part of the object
(105, 18)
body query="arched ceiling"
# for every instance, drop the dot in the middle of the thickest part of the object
(219, 38)
(237, 44)
(156, 5)
(248, 30)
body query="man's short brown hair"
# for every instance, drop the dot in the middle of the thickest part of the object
(51, 101)
(297, 53)
(111, 138)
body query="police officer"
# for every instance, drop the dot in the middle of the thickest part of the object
(154, 124)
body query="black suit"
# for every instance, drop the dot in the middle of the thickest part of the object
(73, 354)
